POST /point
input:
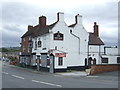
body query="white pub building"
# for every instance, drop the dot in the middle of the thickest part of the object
(59, 47)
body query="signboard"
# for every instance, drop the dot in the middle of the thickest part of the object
(30, 44)
(60, 54)
(58, 36)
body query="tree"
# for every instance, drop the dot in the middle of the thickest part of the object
(4, 50)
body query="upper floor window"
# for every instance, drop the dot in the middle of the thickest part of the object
(23, 49)
(44, 41)
(58, 36)
(29, 38)
(24, 39)
(35, 45)
(39, 43)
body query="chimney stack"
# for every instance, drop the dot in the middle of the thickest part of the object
(30, 27)
(78, 19)
(42, 21)
(60, 16)
(96, 29)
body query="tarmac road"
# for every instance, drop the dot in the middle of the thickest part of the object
(17, 77)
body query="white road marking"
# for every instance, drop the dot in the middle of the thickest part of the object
(18, 77)
(58, 75)
(4, 72)
(92, 76)
(47, 83)
(35, 81)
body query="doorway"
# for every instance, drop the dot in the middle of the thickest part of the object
(91, 62)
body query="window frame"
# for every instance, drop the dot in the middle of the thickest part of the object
(104, 62)
(35, 44)
(118, 60)
(60, 61)
(39, 44)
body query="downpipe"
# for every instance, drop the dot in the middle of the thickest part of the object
(78, 39)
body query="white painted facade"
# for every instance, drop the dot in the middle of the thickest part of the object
(111, 51)
(74, 45)
(76, 51)
(112, 54)
(96, 51)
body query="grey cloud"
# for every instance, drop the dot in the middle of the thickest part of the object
(17, 15)
(16, 12)
(12, 27)
(10, 40)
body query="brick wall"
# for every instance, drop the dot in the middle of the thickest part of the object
(25, 44)
(95, 69)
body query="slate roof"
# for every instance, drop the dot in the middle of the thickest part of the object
(42, 31)
(37, 30)
(94, 40)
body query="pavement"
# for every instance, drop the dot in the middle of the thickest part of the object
(17, 77)
(73, 73)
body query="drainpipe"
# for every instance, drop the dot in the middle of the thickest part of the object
(88, 54)
(100, 53)
(78, 39)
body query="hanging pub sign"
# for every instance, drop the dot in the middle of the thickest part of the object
(58, 36)
(30, 44)
(60, 54)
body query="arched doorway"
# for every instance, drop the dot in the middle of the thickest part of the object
(94, 61)
(89, 62)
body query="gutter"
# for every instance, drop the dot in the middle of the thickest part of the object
(78, 39)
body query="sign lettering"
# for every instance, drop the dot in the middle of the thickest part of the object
(60, 54)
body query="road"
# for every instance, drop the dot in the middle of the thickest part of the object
(16, 77)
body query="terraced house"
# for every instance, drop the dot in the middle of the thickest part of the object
(59, 47)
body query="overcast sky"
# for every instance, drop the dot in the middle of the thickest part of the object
(16, 15)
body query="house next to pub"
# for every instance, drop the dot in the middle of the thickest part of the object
(59, 47)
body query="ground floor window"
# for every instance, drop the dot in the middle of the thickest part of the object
(34, 57)
(104, 60)
(48, 62)
(38, 59)
(118, 59)
(60, 61)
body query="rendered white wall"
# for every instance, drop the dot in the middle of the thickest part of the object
(111, 59)
(111, 51)
(96, 51)
(70, 44)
